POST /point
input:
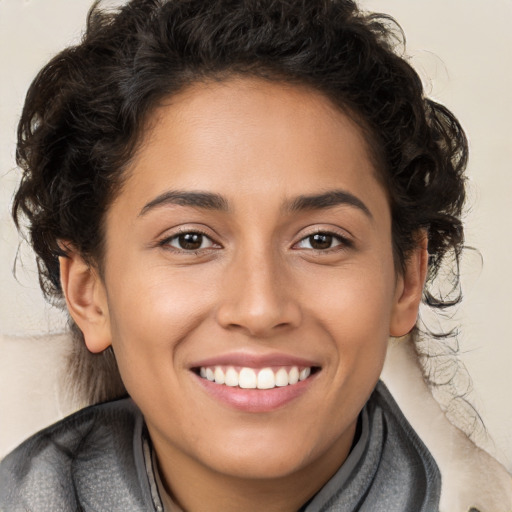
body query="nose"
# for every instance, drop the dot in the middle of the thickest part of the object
(258, 297)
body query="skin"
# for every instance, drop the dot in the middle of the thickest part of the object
(257, 286)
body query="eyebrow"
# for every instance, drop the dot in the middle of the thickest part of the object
(204, 200)
(327, 200)
(212, 201)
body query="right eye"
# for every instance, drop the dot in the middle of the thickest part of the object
(189, 241)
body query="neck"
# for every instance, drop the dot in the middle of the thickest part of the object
(192, 485)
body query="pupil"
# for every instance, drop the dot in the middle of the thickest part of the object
(191, 241)
(320, 241)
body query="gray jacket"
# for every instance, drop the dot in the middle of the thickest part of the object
(99, 459)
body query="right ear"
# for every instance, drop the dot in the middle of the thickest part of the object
(86, 299)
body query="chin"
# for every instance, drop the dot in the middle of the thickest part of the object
(272, 465)
(266, 454)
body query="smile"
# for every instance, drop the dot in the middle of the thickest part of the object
(251, 378)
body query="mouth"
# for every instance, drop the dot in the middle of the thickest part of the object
(265, 378)
(256, 383)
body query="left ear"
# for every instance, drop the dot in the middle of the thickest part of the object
(409, 289)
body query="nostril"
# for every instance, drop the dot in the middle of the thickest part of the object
(261, 319)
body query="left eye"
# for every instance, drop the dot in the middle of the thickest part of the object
(190, 241)
(320, 241)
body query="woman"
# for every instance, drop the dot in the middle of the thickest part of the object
(241, 201)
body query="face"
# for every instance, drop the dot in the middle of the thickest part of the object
(250, 247)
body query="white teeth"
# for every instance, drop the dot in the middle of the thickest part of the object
(249, 378)
(281, 377)
(266, 379)
(305, 373)
(293, 376)
(231, 377)
(219, 375)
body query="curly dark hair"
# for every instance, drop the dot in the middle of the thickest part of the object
(86, 111)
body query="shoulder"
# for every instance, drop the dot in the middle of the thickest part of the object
(402, 431)
(76, 459)
(471, 478)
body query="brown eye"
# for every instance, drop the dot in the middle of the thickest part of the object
(321, 241)
(190, 241)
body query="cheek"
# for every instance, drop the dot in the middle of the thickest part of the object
(353, 300)
(154, 297)
(354, 308)
(151, 312)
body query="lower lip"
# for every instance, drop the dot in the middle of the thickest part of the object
(256, 400)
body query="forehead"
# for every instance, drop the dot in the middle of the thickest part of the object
(245, 137)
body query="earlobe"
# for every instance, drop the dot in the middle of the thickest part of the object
(86, 300)
(409, 291)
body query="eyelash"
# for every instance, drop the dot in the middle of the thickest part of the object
(343, 242)
(167, 242)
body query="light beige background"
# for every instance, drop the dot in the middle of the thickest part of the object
(462, 45)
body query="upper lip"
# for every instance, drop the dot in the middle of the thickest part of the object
(255, 360)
